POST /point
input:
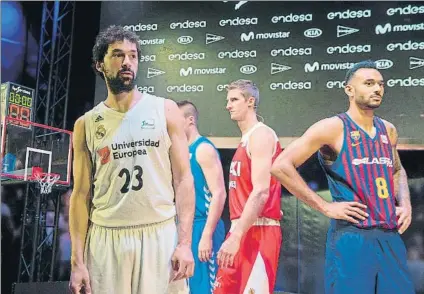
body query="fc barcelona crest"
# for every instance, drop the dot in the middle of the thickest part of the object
(355, 135)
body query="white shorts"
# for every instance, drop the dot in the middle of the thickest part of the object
(132, 260)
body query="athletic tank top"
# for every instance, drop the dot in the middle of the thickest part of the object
(240, 182)
(132, 176)
(203, 195)
(363, 172)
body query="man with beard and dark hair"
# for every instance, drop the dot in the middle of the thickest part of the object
(371, 204)
(130, 155)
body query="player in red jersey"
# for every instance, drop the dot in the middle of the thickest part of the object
(248, 258)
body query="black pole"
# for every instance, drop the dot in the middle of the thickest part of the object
(23, 230)
(55, 234)
(52, 55)
(35, 236)
(40, 58)
(68, 82)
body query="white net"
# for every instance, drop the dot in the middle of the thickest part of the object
(46, 182)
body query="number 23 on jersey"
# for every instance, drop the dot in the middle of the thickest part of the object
(130, 183)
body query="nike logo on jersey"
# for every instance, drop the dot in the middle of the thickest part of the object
(356, 144)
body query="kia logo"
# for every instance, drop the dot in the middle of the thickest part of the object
(248, 69)
(184, 40)
(384, 63)
(313, 33)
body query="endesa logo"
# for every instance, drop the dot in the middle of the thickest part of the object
(410, 9)
(187, 56)
(239, 21)
(141, 27)
(347, 49)
(312, 33)
(406, 82)
(349, 14)
(291, 85)
(147, 58)
(408, 46)
(335, 84)
(291, 52)
(146, 89)
(188, 25)
(292, 18)
(236, 54)
(221, 87)
(184, 88)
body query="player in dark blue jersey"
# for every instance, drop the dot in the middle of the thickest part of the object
(371, 205)
(208, 228)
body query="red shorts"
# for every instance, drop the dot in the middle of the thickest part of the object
(255, 264)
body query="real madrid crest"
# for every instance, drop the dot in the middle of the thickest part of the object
(100, 132)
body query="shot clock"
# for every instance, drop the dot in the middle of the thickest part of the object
(17, 102)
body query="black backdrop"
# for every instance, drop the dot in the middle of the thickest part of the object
(297, 53)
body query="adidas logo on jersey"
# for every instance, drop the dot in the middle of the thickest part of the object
(99, 118)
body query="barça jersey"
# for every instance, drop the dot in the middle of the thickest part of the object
(363, 172)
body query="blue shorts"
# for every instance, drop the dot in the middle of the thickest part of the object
(205, 272)
(365, 261)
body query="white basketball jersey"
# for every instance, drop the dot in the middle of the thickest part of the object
(131, 166)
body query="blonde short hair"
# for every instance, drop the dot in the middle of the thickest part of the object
(248, 89)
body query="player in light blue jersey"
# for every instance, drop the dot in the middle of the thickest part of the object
(208, 228)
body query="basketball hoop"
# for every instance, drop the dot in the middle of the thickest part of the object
(46, 181)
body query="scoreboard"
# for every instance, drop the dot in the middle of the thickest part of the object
(17, 102)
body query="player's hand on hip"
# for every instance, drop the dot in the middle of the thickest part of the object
(404, 215)
(349, 211)
(228, 251)
(182, 263)
(205, 248)
(80, 280)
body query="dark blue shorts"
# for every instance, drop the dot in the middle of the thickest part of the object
(365, 261)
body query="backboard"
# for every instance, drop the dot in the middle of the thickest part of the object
(40, 148)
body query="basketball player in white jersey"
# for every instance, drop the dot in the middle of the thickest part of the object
(130, 157)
